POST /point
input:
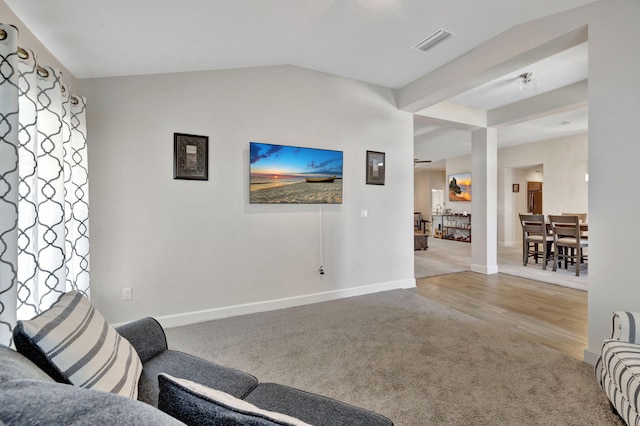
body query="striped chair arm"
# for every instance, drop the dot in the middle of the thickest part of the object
(626, 326)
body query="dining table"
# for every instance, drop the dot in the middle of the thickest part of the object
(584, 227)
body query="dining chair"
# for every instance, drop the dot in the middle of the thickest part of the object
(567, 242)
(536, 240)
(417, 218)
(581, 216)
(583, 220)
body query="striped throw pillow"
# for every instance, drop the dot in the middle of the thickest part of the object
(84, 347)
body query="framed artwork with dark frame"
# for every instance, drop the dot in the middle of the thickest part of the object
(190, 157)
(375, 168)
(515, 187)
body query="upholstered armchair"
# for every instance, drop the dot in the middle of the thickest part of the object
(618, 368)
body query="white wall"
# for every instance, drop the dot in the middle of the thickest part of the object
(564, 161)
(562, 164)
(613, 151)
(190, 246)
(613, 148)
(425, 181)
(28, 41)
(144, 224)
(614, 96)
(520, 203)
(422, 192)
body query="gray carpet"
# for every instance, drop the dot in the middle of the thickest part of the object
(406, 357)
(447, 257)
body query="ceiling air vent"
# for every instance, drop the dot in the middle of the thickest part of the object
(434, 40)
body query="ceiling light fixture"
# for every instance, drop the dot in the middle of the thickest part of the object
(527, 85)
(434, 39)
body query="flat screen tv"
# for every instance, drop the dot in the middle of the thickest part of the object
(281, 174)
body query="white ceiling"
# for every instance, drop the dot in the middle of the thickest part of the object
(557, 71)
(367, 40)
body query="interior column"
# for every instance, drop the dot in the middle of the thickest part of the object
(484, 201)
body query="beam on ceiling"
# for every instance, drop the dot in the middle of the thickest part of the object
(507, 52)
(447, 122)
(566, 98)
(443, 144)
(432, 133)
(453, 115)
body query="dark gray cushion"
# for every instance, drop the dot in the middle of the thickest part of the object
(146, 335)
(198, 405)
(34, 402)
(26, 346)
(185, 366)
(16, 366)
(314, 409)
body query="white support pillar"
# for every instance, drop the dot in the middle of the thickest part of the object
(484, 201)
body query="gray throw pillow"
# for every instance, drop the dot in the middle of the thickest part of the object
(16, 366)
(195, 404)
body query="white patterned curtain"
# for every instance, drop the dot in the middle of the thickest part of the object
(44, 198)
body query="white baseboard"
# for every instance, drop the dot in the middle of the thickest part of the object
(187, 318)
(487, 270)
(591, 355)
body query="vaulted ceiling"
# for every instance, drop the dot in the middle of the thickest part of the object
(367, 40)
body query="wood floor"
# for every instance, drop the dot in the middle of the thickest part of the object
(548, 314)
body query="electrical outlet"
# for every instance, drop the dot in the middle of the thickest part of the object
(126, 293)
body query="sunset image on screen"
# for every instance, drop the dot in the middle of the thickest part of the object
(294, 175)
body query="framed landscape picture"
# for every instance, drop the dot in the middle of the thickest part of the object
(460, 187)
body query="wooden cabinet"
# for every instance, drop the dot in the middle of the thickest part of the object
(452, 227)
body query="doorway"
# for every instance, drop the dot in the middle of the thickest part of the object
(534, 197)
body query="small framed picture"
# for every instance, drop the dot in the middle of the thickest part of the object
(190, 156)
(375, 168)
(515, 187)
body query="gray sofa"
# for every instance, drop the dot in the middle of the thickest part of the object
(28, 396)
(34, 391)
